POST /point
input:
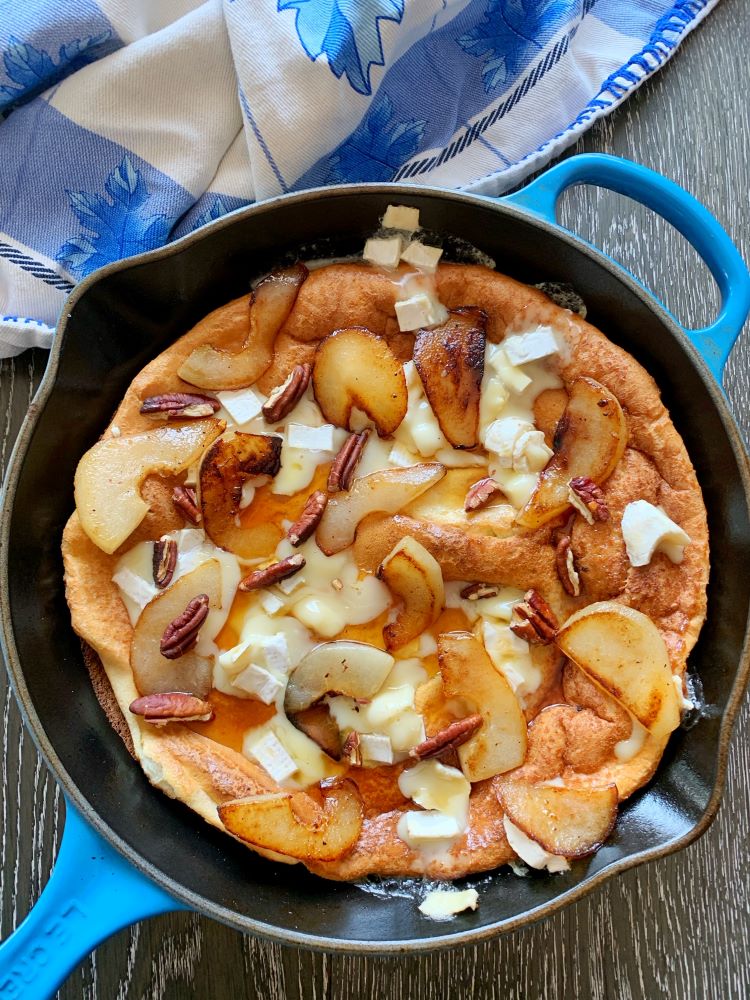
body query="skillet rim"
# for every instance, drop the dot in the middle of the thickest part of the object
(46, 749)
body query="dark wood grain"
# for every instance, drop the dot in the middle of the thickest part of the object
(677, 928)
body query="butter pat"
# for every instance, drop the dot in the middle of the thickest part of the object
(422, 256)
(375, 748)
(311, 438)
(525, 347)
(259, 683)
(272, 756)
(384, 253)
(421, 310)
(647, 529)
(441, 904)
(529, 851)
(243, 405)
(401, 217)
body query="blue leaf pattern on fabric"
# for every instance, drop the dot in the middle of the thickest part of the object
(33, 70)
(347, 32)
(116, 227)
(512, 32)
(377, 148)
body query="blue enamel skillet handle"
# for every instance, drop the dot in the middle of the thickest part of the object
(681, 210)
(92, 893)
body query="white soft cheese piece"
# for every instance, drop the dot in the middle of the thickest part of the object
(437, 787)
(135, 589)
(243, 405)
(420, 255)
(259, 683)
(419, 431)
(647, 529)
(270, 603)
(402, 457)
(498, 365)
(406, 731)
(440, 904)
(420, 310)
(276, 652)
(237, 658)
(529, 851)
(517, 445)
(685, 703)
(376, 748)
(388, 704)
(524, 347)
(627, 749)
(273, 757)
(401, 217)
(427, 827)
(511, 655)
(383, 252)
(311, 438)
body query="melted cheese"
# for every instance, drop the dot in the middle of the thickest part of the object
(311, 764)
(529, 851)
(434, 786)
(442, 904)
(511, 655)
(419, 431)
(626, 749)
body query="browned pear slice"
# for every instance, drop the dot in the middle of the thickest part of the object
(109, 476)
(450, 362)
(589, 442)
(344, 666)
(622, 650)
(381, 492)
(273, 300)
(295, 825)
(191, 672)
(569, 821)
(225, 468)
(413, 575)
(318, 723)
(468, 674)
(356, 368)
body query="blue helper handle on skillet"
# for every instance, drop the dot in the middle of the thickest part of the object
(92, 892)
(681, 210)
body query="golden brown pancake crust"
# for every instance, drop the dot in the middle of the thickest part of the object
(577, 726)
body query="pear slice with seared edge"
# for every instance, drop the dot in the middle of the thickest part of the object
(414, 575)
(355, 669)
(589, 441)
(273, 300)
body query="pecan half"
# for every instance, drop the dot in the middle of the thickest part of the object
(481, 493)
(537, 622)
(273, 573)
(179, 405)
(164, 561)
(285, 397)
(182, 634)
(309, 519)
(186, 500)
(172, 706)
(351, 751)
(566, 567)
(447, 739)
(476, 591)
(342, 468)
(590, 498)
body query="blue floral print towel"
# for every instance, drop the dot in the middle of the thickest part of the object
(127, 123)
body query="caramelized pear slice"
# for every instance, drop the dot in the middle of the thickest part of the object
(387, 492)
(109, 476)
(344, 666)
(295, 825)
(356, 368)
(413, 575)
(589, 442)
(318, 723)
(273, 300)
(450, 362)
(191, 672)
(623, 651)
(468, 674)
(572, 822)
(225, 468)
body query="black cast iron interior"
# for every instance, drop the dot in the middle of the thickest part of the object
(133, 311)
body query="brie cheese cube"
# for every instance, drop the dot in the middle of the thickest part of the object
(511, 377)
(406, 731)
(434, 786)
(529, 851)
(291, 583)
(422, 256)
(531, 346)
(384, 253)
(443, 903)
(647, 529)
(401, 217)
(530, 452)
(259, 683)
(376, 749)
(311, 438)
(428, 826)
(243, 405)
(273, 757)
(139, 590)
(500, 438)
(276, 652)
(421, 310)
(234, 659)
(270, 603)
(389, 704)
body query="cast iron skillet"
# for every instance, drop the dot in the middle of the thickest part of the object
(129, 851)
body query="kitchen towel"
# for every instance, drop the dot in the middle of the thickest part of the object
(125, 124)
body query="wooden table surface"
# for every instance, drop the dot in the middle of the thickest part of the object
(675, 928)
